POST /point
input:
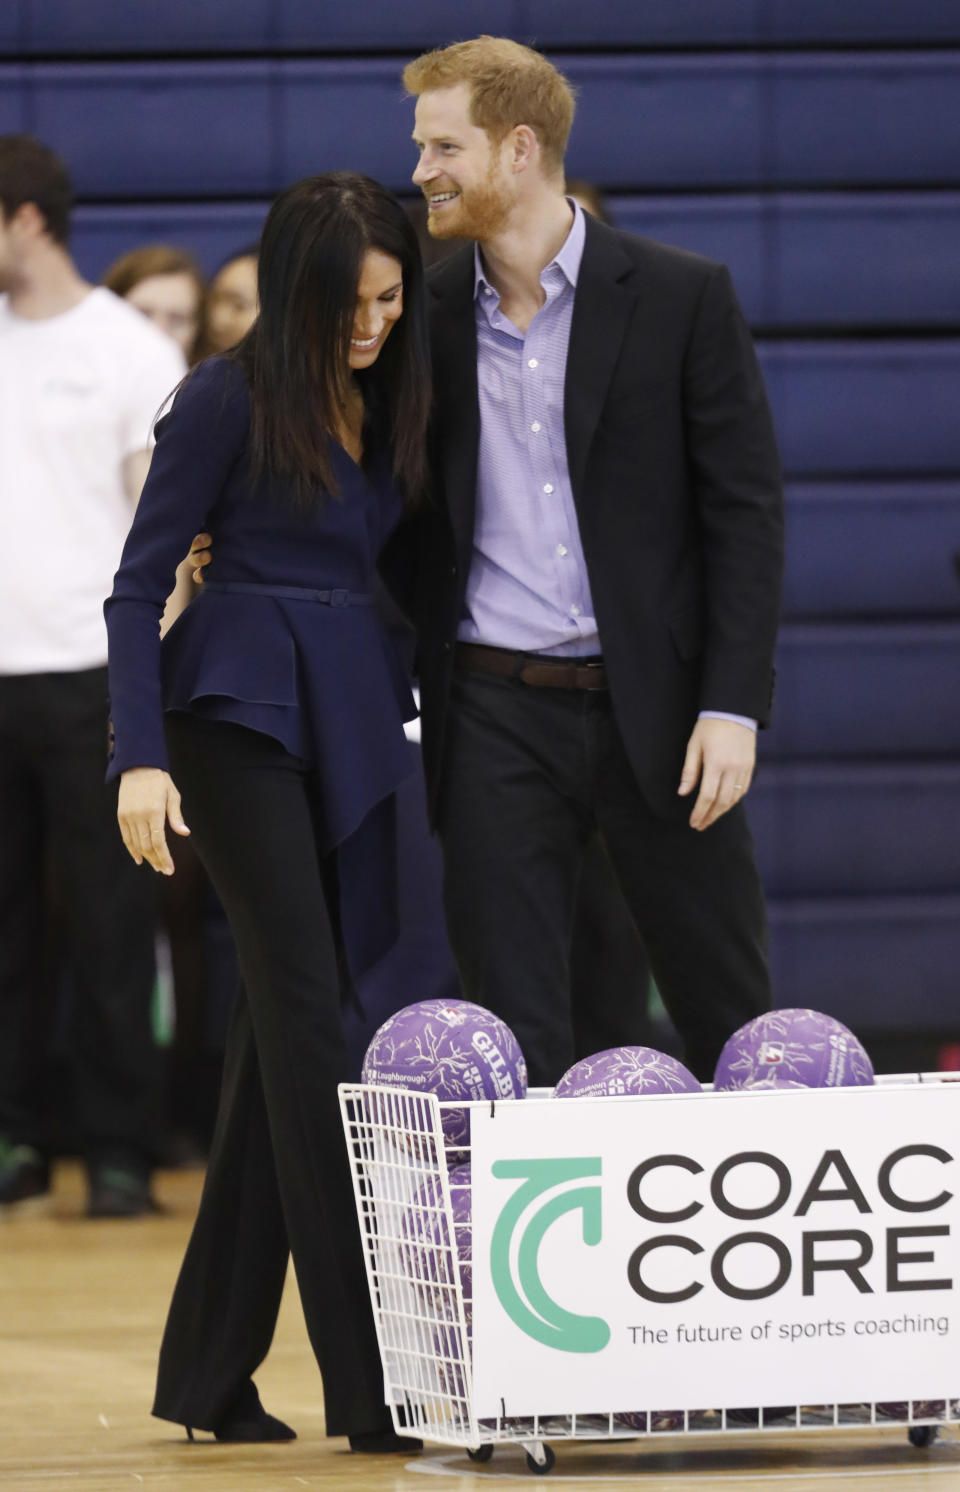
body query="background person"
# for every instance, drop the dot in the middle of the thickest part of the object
(283, 706)
(167, 285)
(232, 300)
(81, 378)
(597, 587)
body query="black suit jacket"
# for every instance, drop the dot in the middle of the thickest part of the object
(676, 482)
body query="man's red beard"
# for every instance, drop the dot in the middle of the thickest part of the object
(480, 215)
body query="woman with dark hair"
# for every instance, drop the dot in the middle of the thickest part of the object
(275, 705)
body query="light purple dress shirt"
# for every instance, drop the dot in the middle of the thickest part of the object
(528, 589)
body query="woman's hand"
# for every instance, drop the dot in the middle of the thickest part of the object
(147, 799)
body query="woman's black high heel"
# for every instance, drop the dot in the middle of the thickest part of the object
(248, 1422)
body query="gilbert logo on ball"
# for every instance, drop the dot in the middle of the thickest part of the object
(793, 1049)
(453, 1048)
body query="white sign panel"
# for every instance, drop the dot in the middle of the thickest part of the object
(716, 1250)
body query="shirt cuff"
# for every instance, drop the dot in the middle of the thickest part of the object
(722, 715)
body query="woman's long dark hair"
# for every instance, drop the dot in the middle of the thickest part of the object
(295, 355)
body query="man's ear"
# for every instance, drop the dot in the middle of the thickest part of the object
(28, 221)
(523, 148)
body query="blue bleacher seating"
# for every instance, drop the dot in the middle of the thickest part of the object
(874, 118)
(865, 407)
(819, 259)
(856, 690)
(868, 21)
(13, 28)
(701, 23)
(161, 129)
(224, 26)
(13, 100)
(856, 828)
(211, 231)
(869, 259)
(104, 26)
(384, 23)
(873, 549)
(727, 120)
(881, 964)
(349, 113)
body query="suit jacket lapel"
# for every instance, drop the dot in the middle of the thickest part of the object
(601, 310)
(457, 435)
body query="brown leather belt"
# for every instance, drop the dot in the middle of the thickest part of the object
(531, 668)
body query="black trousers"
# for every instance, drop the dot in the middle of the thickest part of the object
(58, 814)
(609, 968)
(278, 1179)
(530, 776)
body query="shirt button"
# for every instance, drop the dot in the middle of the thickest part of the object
(574, 611)
(561, 549)
(548, 486)
(535, 427)
(532, 363)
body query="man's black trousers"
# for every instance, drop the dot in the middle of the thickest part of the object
(531, 774)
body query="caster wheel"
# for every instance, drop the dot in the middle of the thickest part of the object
(481, 1454)
(922, 1435)
(538, 1469)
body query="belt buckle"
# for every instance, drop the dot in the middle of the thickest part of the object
(599, 667)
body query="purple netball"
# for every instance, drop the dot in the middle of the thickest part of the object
(452, 1048)
(427, 1229)
(626, 1070)
(793, 1049)
(432, 1230)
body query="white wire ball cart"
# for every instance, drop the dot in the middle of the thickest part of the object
(726, 1198)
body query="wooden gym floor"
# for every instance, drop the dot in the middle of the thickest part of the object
(81, 1310)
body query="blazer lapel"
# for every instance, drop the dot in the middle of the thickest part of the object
(457, 410)
(601, 310)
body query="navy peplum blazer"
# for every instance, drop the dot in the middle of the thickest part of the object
(284, 638)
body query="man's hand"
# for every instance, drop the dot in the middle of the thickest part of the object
(147, 799)
(721, 755)
(200, 555)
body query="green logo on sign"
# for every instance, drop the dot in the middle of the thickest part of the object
(524, 1299)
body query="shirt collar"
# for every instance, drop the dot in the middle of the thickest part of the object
(568, 259)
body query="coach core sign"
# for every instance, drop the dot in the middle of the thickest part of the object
(713, 1250)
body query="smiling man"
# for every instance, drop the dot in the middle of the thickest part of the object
(598, 578)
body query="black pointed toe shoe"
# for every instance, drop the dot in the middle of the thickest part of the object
(247, 1422)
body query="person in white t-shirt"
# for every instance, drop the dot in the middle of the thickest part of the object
(82, 377)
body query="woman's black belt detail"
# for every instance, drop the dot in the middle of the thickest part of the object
(334, 597)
